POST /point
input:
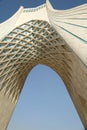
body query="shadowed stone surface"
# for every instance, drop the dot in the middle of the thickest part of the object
(35, 40)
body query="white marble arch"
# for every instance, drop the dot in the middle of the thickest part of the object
(56, 38)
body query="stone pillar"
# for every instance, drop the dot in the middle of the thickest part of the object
(6, 110)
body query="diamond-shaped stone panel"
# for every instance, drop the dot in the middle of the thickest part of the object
(27, 45)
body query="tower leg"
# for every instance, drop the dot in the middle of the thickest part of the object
(6, 110)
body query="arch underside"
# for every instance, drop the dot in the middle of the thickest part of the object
(37, 42)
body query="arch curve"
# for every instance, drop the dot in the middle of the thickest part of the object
(37, 42)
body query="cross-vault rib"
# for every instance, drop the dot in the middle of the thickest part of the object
(33, 39)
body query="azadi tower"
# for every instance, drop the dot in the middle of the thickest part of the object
(43, 35)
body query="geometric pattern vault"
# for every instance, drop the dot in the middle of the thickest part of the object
(43, 35)
(32, 43)
(37, 42)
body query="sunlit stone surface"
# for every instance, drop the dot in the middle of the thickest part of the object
(43, 35)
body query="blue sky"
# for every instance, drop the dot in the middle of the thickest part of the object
(44, 103)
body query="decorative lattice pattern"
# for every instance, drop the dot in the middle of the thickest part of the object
(34, 42)
(27, 45)
(61, 45)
